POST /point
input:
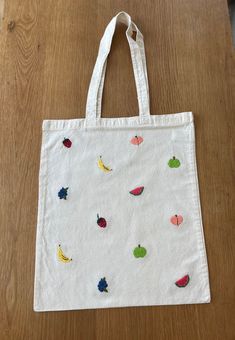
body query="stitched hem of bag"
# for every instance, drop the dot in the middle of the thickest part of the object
(198, 212)
(116, 304)
(166, 120)
(43, 184)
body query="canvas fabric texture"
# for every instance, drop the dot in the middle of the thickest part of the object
(119, 217)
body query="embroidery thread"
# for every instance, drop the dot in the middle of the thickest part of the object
(137, 191)
(139, 251)
(137, 140)
(101, 221)
(63, 193)
(61, 255)
(102, 285)
(67, 142)
(102, 166)
(174, 162)
(176, 220)
(183, 282)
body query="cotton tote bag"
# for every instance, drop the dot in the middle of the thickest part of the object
(119, 219)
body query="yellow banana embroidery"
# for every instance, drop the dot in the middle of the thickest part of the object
(102, 166)
(61, 255)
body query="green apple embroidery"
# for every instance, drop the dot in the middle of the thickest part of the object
(139, 251)
(174, 162)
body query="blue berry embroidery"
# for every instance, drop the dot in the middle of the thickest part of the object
(63, 193)
(102, 285)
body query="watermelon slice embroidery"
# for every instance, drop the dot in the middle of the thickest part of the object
(183, 282)
(137, 191)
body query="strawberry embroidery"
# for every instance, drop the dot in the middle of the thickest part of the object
(67, 142)
(101, 221)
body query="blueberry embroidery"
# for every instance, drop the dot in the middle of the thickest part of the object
(102, 285)
(63, 193)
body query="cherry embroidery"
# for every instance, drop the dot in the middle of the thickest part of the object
(101, 221)
(176, 219)
(137, 191)
(181, 283)
(137, 140)
(63, 193)
(102, 285)
(67, 142)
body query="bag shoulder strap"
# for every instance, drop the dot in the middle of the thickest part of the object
(94, 98)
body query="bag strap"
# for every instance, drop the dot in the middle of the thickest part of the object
(94, 98)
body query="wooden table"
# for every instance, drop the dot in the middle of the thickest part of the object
(47, 53)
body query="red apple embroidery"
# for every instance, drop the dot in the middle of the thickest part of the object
(101, 221)
(137, 191)
(67, 142)
(137, 140)
(177, 219)
(181, 283)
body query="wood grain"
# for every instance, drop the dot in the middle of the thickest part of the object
(1, 12)
(46, 60)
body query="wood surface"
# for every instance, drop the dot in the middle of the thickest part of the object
(1, 12)
(47, 53)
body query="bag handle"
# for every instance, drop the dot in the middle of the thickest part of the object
(94, 98)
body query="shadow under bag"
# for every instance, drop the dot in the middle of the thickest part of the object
(119, 217)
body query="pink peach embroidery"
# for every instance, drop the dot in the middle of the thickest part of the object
(137, 140)
(177, 219)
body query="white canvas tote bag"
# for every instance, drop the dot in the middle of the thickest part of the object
(119, 219)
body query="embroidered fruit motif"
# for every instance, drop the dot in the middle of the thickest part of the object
(137, 191)
(102, 166)
(101, 221)
(102, 285)
(61, 255)
(67, 143)
(137, 140)
(63, 193)
(174, 162)
(183, 281)
(177, 219)
(139, 251)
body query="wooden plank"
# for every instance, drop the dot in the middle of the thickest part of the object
(46, 60)
(1, 12)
